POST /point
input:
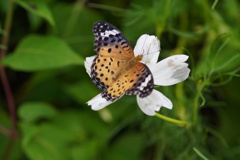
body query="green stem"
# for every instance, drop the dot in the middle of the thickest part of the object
(160, 24)
(5, 82)
(195, 107)
(205, 10)
(182, 123)
(180, 94)
(7, 27)
(214, 4)
(181, 43)
(200, 86)
(71, 23)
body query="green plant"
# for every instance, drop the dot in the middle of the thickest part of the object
(43, 113)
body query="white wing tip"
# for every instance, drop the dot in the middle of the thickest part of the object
(98, 102)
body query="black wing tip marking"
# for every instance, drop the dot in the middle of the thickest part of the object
(104, 37)
(102, 26)
(98, 24)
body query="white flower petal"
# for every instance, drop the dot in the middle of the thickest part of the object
(149, 47)
(88, 63)
(152, 103)
(98, 102)
(170, 70)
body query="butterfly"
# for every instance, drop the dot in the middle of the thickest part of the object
(115, 69)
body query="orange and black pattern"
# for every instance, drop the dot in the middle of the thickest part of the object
(116, 70)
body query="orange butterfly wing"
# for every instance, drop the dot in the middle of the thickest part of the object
(115, 69)
(138, 80)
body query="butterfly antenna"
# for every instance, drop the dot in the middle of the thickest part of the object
(143, 45)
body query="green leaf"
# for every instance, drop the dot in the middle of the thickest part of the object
(127, 147)
(74, 24)
(85, 150)
(63, 137)
(32, 111)
(77, 91)
(200, 154)
(36, 53)
(39, 8)
(190, 35)
(49, 139)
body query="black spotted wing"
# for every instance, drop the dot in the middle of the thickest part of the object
(113, 52)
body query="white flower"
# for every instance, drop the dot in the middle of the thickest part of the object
(167, 72)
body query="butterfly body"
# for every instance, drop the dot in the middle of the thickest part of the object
(116, 70)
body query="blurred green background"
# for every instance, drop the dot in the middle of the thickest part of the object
(48, 43)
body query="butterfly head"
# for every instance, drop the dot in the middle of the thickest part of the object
(139, 57)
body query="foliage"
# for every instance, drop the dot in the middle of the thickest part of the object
(47, 45)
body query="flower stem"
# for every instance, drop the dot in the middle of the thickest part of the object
(160, 24)
(5, 82)
(200, 85)
(195, 107)
(182, 123)
(71, 22)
